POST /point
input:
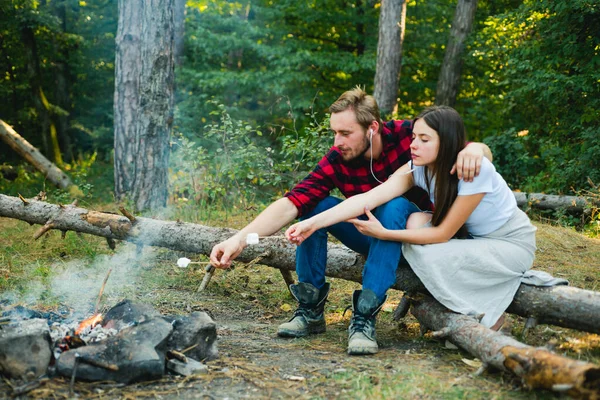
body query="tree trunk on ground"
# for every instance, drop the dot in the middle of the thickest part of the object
(392, 22)
(537, 367)
(448, 81)
(143, 108)
(34, 157)
(563, 306)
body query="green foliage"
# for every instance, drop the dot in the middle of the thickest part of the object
(94, 178)
(232, 164)
(268, 61)
(511, 157)
(549, 83)
(73, 41)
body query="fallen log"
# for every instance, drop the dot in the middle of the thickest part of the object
(541, 201)
(538, 368)
(37, 159)
(560, 305)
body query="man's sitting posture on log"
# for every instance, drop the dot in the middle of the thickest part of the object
(480, 245)
(365, 153)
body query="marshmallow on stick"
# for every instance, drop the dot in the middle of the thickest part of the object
(252, 238)
(183, 262)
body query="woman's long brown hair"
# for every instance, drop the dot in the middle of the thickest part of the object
(452, 135)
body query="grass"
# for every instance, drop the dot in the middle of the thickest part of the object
(47, 272)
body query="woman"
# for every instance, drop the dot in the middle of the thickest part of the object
(476, 248)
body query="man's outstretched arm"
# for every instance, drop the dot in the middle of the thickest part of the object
(277, 215)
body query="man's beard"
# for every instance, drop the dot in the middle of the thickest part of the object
(357, 159)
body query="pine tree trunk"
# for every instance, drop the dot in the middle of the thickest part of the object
(392, 22)
(144, 82)
(448, 81)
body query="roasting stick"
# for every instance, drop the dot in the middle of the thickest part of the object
(251, 238)
(102, 291)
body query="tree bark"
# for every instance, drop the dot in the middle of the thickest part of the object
(448, 81)
(34, 157)
(541, 201)
(562, 306)
(143, 101)
(537, 367)
(392, 22)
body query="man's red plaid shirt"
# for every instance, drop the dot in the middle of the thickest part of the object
(355, 177)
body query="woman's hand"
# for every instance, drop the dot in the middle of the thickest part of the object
(300, 231)
(371, 227)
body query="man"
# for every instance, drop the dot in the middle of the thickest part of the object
(365, 153)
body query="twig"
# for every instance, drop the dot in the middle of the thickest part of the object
(210, 270)
(23, 199)
(111, 243)
(49, 225)
(28, 387)
(99, 363)
(177, 355)
(74, 374)
(101, 291)
(189, 348)
(127, 214)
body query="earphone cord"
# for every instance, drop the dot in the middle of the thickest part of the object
(371, 162)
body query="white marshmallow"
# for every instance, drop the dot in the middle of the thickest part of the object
(252, 238)
(183, 262)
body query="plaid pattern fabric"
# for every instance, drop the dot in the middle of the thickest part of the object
(355, 177)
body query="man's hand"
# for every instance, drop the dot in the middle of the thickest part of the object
(468, 161)
(225, 252)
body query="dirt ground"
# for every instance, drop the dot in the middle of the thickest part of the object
(249, 303)
(254, 363)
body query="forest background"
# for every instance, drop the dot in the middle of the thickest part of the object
(255, 78)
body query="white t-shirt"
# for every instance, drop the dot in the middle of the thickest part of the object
(496, 207)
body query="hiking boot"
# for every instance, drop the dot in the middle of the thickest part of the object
(361, 332)
(308, 317)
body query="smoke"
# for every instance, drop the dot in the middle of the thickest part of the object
(79, 282)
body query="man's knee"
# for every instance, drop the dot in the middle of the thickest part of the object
(395, 208)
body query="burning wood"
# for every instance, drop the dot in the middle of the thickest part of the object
(88, 323)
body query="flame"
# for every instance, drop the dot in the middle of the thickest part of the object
(91, 322)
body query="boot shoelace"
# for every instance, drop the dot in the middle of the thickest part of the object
(303, 310)
(358, 322)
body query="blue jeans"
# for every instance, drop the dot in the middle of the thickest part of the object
(379, 272)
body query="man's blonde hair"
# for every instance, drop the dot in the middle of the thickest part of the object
(364, 106)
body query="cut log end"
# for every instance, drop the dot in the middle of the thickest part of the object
(540, 368)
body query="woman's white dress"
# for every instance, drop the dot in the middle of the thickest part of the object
(480, 276)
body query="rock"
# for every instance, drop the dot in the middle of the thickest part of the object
(191, 367)
(138, 353)
(25, 349)
(198, 329)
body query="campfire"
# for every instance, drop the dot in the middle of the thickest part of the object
(131, 342)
